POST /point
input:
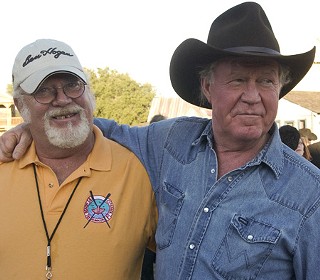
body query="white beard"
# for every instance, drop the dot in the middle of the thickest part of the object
(71, 136)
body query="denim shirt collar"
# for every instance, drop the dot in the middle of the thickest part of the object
(269, 155)
(206, 135)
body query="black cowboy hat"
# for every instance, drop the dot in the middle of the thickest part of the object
(242, 31)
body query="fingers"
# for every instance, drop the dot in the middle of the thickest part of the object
(14, 143)
(8, 141)
(22, 145)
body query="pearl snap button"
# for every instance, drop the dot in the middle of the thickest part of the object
(230, 178)
(206, 210)
(213, 170)
(250, 237)
(192, 246)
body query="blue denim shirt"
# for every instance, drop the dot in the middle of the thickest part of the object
(260, 221)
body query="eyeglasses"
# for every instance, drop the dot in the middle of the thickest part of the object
(46, 95)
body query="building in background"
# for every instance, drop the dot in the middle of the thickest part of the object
(300, 109)
(8, 117)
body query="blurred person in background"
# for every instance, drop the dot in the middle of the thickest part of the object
(158, 117)
(308, 135)
(291, 137)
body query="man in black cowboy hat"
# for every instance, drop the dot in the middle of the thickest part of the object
(234, 202)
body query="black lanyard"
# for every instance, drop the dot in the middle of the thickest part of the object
(49, 238)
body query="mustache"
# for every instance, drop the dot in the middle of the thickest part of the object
(69, 110)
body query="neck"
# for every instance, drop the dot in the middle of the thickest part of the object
(232, 158)
(64, 161)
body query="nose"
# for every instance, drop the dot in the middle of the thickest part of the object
(61, 98)
(251, 93)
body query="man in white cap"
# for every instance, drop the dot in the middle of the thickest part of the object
(234, 202)
(76, 205)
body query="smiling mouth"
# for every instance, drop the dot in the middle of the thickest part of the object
(62, 117)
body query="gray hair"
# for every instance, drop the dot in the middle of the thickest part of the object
(18, 92)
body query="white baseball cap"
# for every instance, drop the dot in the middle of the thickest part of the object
(41, 59)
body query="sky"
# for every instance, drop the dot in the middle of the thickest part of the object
(138, 37)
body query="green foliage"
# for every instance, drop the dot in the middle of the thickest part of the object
(120, 98)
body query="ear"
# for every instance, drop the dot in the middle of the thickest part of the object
(205, 85)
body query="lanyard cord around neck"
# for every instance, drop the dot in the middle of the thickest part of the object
(49, 238)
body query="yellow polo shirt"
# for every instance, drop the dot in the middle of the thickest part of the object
(84, 246)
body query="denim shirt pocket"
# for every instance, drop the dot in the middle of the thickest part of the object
(170, 203)
(245, 248)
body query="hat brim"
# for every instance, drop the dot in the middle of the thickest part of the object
(30, 84)
(192, 54)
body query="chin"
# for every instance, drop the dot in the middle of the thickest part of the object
(68, 137)
(249, 133)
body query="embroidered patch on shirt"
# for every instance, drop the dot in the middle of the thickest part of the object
(98, 209)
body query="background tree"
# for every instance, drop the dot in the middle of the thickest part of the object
(119, 97)
(10, 89)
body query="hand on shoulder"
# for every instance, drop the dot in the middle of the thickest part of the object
(14, 143)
